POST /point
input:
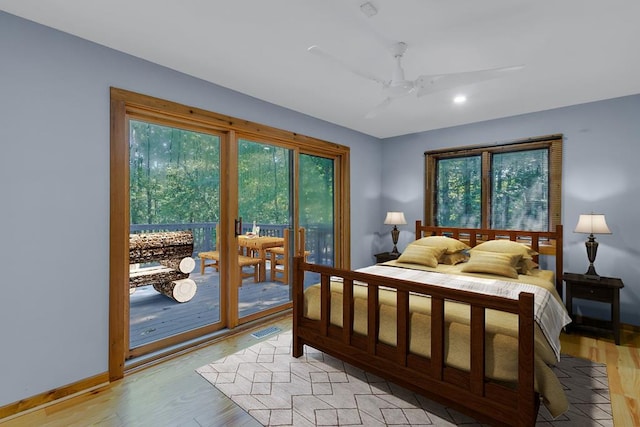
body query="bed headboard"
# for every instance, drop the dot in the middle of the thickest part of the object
(543, 242)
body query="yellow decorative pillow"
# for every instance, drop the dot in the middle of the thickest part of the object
(423, 255)
(450, 244)
(501, 264)
(506, 246)
(453, 259)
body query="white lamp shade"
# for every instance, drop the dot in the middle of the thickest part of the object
(395, 218)
(592, 224)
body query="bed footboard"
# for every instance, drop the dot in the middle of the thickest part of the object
(471, 392)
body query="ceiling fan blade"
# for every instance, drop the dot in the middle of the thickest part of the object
(438, 82)
(350, 67)
(378, 108)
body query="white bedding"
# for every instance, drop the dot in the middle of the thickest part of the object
(549, 312)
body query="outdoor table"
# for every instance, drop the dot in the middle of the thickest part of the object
(260, 245)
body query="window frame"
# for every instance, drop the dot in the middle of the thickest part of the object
(553, 143)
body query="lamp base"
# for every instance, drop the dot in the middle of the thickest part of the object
(395, 233)
(591, 273)
(592, 250)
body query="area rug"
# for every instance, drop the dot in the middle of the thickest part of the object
(319, 390)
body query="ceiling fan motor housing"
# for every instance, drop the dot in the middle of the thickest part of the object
(399, 86)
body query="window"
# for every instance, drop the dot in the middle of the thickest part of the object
(512, 186)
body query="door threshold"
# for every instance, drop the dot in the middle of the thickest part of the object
(151, 359)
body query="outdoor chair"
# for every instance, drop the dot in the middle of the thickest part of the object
(243, 261)
(279, 257)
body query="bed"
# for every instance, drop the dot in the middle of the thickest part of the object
(441, 330)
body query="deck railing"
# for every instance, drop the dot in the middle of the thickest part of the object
(319, 238)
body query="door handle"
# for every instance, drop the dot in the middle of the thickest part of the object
(238, 226)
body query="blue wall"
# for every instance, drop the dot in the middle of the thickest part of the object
(54, 192)
(600, 174)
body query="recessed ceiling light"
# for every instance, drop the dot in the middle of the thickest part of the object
(460, 99)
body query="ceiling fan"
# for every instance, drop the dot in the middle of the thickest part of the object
(398, 86)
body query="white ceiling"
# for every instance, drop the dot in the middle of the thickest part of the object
(574, 51)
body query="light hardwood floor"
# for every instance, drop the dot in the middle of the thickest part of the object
(173, 394)
(623, 370)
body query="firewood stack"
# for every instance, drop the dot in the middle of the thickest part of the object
(172, 250)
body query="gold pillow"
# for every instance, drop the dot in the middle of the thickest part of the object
(501, 264)
(423, 255)
(450, 244)
(453, 259)
(506, 246)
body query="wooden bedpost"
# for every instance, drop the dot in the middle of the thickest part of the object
(527, 407)
(418, 232)
(298, 304)
(559, 258)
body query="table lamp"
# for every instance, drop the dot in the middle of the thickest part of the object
(592, 224)
(395, 219)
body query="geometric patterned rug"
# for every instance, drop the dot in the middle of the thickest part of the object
(319, 390)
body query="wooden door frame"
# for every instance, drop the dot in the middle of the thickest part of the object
(169, 113)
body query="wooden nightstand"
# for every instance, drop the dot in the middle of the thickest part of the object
(604, 289)
(386, 256)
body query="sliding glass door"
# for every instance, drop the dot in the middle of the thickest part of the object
(179, 270)
(174, 181)
(175, 177)
(265, 177)
(277, 225)
(316, 209)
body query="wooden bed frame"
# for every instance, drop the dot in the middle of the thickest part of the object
(469, 392)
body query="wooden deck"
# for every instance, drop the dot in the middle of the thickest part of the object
(153, 316)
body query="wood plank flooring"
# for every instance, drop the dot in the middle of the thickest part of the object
(623, 369)
(173, 394)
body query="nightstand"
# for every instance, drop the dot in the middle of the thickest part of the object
(386, 256)
(603, 289)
